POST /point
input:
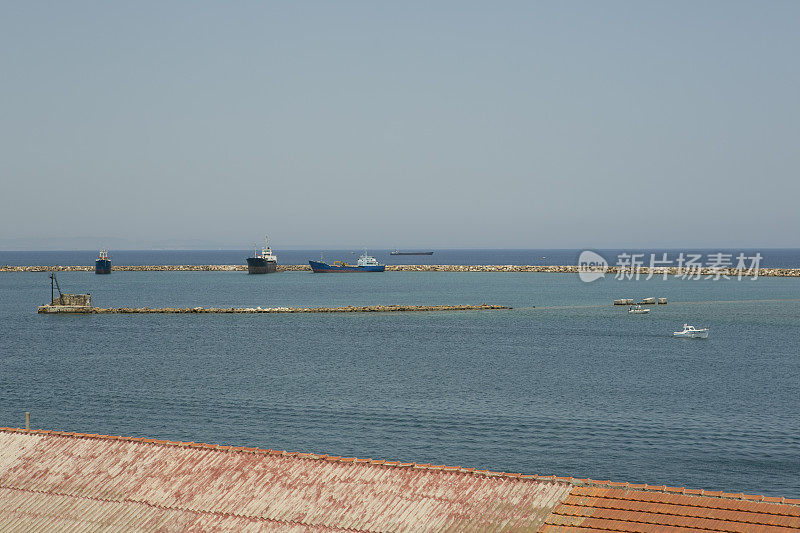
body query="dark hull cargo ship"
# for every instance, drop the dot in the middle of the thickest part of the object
(264, 262)
(398, 252)
(102, 264)
(365, 263)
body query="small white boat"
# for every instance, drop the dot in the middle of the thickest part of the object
(691, 332)
(638, 310)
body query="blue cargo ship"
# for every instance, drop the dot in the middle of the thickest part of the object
(102, 264)
(365, 263)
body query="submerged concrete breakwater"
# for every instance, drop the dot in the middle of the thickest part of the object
(556, 269)
(86, 310)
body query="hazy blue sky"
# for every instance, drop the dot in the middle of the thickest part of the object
(435, 124)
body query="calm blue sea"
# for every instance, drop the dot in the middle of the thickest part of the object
(572, 386)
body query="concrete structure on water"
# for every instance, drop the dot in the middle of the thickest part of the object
(56, 481)
(82, 301)
(645, 301)
(66, 303)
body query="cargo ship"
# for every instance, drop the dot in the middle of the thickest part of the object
(102, 264)
(398, 252)
(365, 263)
(264, 262)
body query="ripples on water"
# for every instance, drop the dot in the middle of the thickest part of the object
(571, 387)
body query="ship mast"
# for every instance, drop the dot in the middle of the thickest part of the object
(53, 280)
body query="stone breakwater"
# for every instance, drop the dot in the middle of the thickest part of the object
(50, 309)
(137, 268)
(612, 270)
(556, 269)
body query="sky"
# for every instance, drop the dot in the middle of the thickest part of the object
(399, 124)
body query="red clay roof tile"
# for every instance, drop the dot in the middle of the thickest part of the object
(614, 509)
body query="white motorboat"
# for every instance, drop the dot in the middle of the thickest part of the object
(691, 332)
(638, 310)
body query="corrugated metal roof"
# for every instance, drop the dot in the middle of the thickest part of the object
(593, 508)
(54, 481)
(66, 481)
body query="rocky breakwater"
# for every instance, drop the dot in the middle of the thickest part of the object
(127, 268)
(480, 268)
(146, 268)
(55, 309)
(294, 268)
(573, 269)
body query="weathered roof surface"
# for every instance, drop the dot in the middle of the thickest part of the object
(65, 481)
(53, 481)
(592, 508)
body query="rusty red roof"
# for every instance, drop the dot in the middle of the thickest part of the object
(60, 481)
(70, 481)
(589, 508)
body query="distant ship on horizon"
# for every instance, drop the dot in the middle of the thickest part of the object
(398, 252)
(264, 262)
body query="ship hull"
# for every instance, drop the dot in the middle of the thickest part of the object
(257, 265)
(320, 267)
(411, 253)
(102, 266)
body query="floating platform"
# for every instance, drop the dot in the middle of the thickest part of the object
(84, 310)
(645, 301)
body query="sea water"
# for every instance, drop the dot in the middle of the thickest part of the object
(770, 258)
(564, 383)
